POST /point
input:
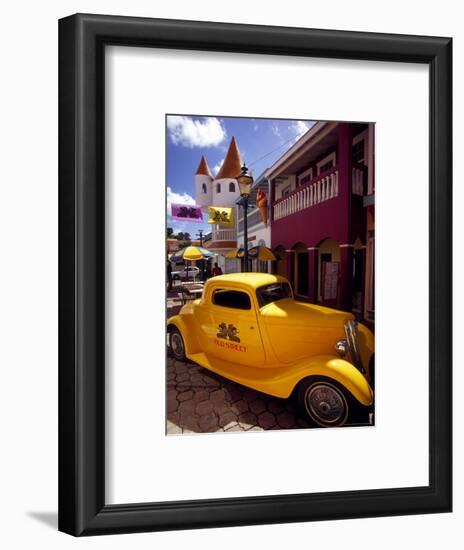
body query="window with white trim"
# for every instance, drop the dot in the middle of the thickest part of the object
(305, 176)
(326, 163)
(357, 152)
(359, 148)
(286, 190)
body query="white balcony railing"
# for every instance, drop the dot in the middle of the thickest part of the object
(224, 235)
(321, 190)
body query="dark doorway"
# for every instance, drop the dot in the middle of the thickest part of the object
(303, 273)
(358, 279)
(326, 257)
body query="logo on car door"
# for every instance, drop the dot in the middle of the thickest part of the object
(228, 332)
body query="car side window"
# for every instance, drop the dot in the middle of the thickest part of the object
(233, 299)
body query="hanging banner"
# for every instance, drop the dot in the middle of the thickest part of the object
(261, 203)
(220, 215)
(186, 213)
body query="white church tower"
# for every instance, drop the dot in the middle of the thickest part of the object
(225, 186)
(203, 185)
(222, 190)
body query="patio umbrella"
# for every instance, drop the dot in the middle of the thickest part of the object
(256, 252)
(190, 254)
(234, 253)
(263, 253)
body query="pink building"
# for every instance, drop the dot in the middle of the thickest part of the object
(322, 216)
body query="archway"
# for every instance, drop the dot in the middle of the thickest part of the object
(328, 272)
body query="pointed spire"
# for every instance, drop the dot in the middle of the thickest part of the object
(203, 168)
(232, 165)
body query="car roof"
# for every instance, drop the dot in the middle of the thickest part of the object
(252, 280)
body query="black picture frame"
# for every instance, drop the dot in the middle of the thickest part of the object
(82, 508)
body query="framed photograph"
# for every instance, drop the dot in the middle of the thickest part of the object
(255, 274)
(280, 303)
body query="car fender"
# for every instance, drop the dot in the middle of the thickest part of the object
(340, 370)
(187, 332)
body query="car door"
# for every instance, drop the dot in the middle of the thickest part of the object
(231, 331)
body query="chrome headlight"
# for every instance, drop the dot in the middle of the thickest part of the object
(342, 348)
(351, 333)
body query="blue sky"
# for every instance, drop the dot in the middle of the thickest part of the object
(189, 137)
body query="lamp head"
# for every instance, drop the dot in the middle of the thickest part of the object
(245, 181)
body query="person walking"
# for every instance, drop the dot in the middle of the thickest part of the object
(216, 270)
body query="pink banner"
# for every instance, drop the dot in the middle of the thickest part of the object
(186, 213)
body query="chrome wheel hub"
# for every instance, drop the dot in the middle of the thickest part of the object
(326, 404)
(177, 344)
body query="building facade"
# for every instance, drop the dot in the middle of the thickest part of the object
(322, 216)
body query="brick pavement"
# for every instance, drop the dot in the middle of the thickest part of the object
(199, 401)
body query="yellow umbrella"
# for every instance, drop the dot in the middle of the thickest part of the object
(191, 253)
(263, 253)
(234, 253)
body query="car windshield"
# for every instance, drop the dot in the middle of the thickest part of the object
(273, 292)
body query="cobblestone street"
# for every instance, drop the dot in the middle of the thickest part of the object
(199, 401)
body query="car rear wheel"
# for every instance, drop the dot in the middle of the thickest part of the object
(176, 343)
(324, 402)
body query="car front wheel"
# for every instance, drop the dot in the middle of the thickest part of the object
(324, 402)
(176, 343)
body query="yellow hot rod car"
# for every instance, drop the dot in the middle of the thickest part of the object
(247, 327)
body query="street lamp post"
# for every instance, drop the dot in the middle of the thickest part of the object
(245, 181)
(245, 232)
(200, 234)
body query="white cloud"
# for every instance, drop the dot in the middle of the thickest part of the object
(189, 227)
(299, 127)
(275, 130)
(255, 127)
(217, 167)
(179, 226)
(188, 132)
(178, 198)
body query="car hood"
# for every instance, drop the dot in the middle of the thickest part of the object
(295, 330)
(296, 313)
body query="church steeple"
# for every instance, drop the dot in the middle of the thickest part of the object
(203, 168)
(232, 165)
